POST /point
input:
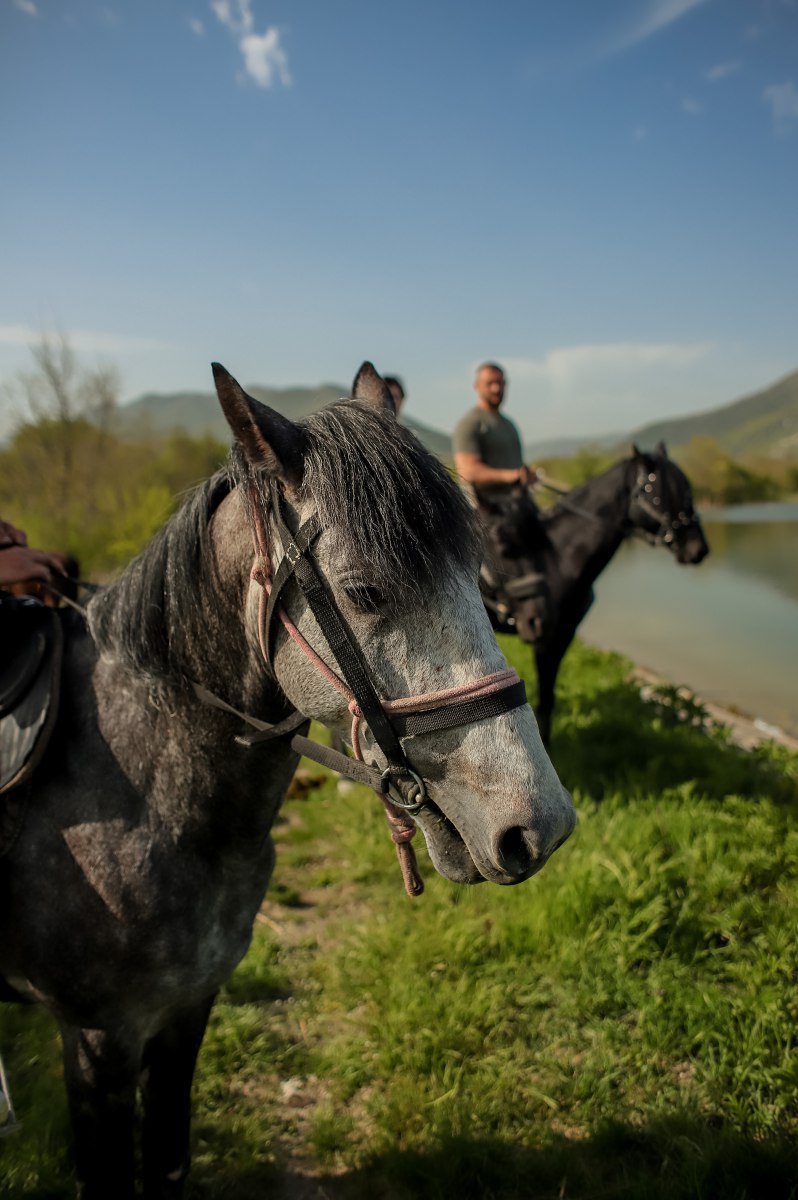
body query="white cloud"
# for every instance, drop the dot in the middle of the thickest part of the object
(722, 70)
(82, 341)
(235, 14)
(599, 388)
(27, 6)
(658, 16)
(196, 26)
(691, 106)
(265, 61)
(569, 364)
(783, 98)
(264, 58)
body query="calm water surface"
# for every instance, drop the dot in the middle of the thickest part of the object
(727, 628)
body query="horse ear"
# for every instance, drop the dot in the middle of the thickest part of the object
(638, 453)
(268, 439)
(371, 388)
(662, 450)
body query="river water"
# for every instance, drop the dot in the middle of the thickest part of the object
(727, 628)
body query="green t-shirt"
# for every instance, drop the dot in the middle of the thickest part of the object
(495, 441)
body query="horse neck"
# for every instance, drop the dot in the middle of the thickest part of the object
(583, 546)
(196, 777)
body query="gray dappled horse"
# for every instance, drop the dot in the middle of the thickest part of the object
(130, 894)
(570, 544)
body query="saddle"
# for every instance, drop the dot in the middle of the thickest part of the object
(30, 672)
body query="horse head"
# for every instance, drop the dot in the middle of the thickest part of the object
(514, 538)
(661, 505)
(390, 548)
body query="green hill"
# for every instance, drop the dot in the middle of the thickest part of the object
(198, 413)
(764, 423)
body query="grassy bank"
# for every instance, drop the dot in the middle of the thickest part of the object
(621, 1026)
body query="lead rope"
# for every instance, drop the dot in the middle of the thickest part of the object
(402, 827)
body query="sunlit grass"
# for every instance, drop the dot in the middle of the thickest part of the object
(621, 1026)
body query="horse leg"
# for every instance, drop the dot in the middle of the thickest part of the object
(100, 1073)
(167, 1073)
(550, 654)
(548, 664)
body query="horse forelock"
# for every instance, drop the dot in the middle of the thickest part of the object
(393, 512)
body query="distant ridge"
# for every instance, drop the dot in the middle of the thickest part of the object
(199, 413)
(764, 423)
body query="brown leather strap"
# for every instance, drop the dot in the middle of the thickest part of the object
(360, 772)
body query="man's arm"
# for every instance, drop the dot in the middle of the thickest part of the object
(472, 469)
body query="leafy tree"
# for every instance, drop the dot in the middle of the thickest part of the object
(73, 484)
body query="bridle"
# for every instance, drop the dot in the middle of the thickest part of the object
(645, 517)
(659, 526)
(400, 785)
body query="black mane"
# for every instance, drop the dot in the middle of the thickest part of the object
(165, 600)
(391, 505)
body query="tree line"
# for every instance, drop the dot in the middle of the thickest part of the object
(717, 478)
(74, 481)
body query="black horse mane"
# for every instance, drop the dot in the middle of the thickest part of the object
(673, 481)
(591, 489)
(393, 509)
(163, 602)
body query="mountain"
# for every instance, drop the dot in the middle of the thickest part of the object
(764, 423)
(199, 413)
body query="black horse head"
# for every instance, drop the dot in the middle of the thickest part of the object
(513, 582)
(661, 506)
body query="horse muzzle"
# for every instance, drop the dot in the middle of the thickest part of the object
(505, 853)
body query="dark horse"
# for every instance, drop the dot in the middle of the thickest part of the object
(570, 544)
(130, 891)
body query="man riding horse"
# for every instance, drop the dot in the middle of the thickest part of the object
(490, 462)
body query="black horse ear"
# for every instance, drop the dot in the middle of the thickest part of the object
(268, 439)
(638, 453)
(371, 388)
(662, 450)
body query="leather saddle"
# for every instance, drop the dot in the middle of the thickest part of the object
(32, 641)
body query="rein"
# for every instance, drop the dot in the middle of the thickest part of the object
(400, 786)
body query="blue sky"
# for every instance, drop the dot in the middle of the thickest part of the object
(600, 196)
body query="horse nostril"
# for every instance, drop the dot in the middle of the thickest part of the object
(514, 854)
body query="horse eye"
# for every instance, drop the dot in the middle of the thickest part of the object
(366, 598)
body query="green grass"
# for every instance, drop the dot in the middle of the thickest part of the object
(621, 1026)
